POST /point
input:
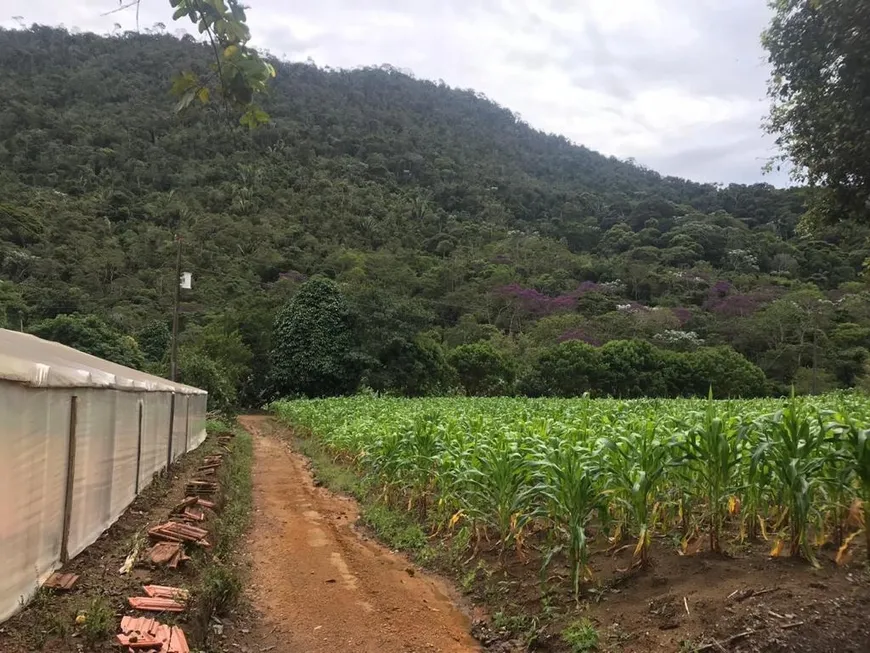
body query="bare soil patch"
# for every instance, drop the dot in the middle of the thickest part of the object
(745, 602)
(49, 622)
(319, 585)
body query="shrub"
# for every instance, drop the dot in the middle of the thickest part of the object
(632, 368)
(566, 370)
(729, 374)
(483, 371)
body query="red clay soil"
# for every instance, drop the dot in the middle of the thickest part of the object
(319, 585)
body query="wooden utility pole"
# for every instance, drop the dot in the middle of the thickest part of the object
(174, 361)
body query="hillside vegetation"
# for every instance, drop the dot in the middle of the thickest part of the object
(465, 247)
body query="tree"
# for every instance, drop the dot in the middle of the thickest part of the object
(566, 370)
(314, 348)
(632, 368)
(820, 81)
(413, 368)
(13, 308)
(154, 340)
(238, 71)
(202, 372)
(426, 229)
(483, 370)
(90, 334)
(221, 343)
(727, 372)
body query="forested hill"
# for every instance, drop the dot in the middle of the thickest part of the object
(443, 217)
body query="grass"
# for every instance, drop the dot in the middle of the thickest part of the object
(97, 622)
(237, 494)
(581, 636)
(394, 528)
(218, 592)
(327, 472)
(219, 588)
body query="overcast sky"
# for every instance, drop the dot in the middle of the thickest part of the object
(679, 85)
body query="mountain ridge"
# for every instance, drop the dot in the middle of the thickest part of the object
(426, 204)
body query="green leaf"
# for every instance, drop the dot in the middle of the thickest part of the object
(185, 100)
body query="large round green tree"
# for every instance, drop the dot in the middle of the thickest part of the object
(315, 350)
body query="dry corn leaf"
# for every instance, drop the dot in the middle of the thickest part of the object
(763, 525)
(843, 553)
(856, 514)
(733, 506)
(776, 551)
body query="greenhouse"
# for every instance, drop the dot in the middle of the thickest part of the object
(80, 437)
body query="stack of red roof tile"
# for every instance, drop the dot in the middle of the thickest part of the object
(200, 488)
(62, 582)
(152, 604)
(144, 634)
(193, 514)
(170, 554)
(175, 532)
(165, 592)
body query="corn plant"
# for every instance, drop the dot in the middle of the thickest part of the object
(854, 447)
(793, 448)
(505, 466)
(568, 485)
(712, 450)
(636, 463)
(499, 488)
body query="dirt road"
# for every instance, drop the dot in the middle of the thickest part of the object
(321, 587)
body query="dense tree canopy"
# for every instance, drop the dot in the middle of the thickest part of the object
(90, 334)
(440, 219)
(820, 84)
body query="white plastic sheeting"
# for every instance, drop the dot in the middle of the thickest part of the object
(33, 442)
(155, 435)
(122, 427)
(45, 364)
(197, 420)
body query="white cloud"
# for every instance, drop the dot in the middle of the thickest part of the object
(677, 84)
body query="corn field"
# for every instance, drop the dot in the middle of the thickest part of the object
(566, 472)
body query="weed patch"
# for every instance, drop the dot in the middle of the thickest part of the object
(49, 623)
(237, 495)
(219, 588)
(97, 622)
(328, 472)
(581, 636)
